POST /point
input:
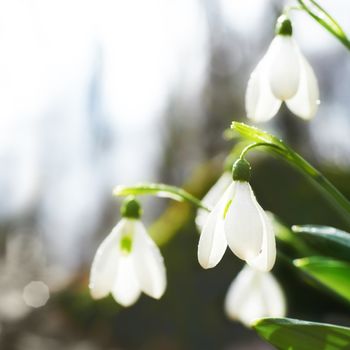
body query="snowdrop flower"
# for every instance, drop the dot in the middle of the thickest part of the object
(212, 197)
(237, 220)
(283, 74)
(254, 294)
(128, 262)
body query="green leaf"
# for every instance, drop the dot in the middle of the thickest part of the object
(333, 274)
(290, 334)
(285, 235)
(254, 134)
(277, 146)
(325, 240)
(159, 190)
(321, 16)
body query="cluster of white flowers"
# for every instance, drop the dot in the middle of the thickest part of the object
(128, 262)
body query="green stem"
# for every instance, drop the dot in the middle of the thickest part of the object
(338, 199)
(288, 9)
(278, 147)
(321, 16)
(322, 183)
(160, 190)
(258, 144)
(285, 259)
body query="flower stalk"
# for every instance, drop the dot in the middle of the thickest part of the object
(278, 147)
(321, 16)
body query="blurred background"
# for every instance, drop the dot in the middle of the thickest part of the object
(99, 93)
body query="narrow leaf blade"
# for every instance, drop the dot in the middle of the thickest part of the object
(325, 240)
(333, 274)
(291, 334)
(159, 190)
(256, 135)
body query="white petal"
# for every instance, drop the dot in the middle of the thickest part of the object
(126, 289)
(254, 294)
(104, 265)
(283, 67)
(275, 302)
(148, 263)
(212, 197)
(267, 257)
(305, 102)
(242, 300)
(261, 105)
(243, 223)
(212, 242)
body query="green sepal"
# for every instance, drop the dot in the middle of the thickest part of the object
(131, 208)
(241, 170)
(284, 26)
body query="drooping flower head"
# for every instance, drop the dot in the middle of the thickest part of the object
(237, 220)
(128, 262)
(283, 74)
(254, 294)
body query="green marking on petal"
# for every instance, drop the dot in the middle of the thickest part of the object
(126, 244)
(227, 207)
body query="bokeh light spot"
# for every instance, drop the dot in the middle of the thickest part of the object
(36, 294)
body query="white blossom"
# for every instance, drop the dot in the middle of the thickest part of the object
(238, 221)
(254, 294)
(283, 74)
(127, 263)
(212, 197)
